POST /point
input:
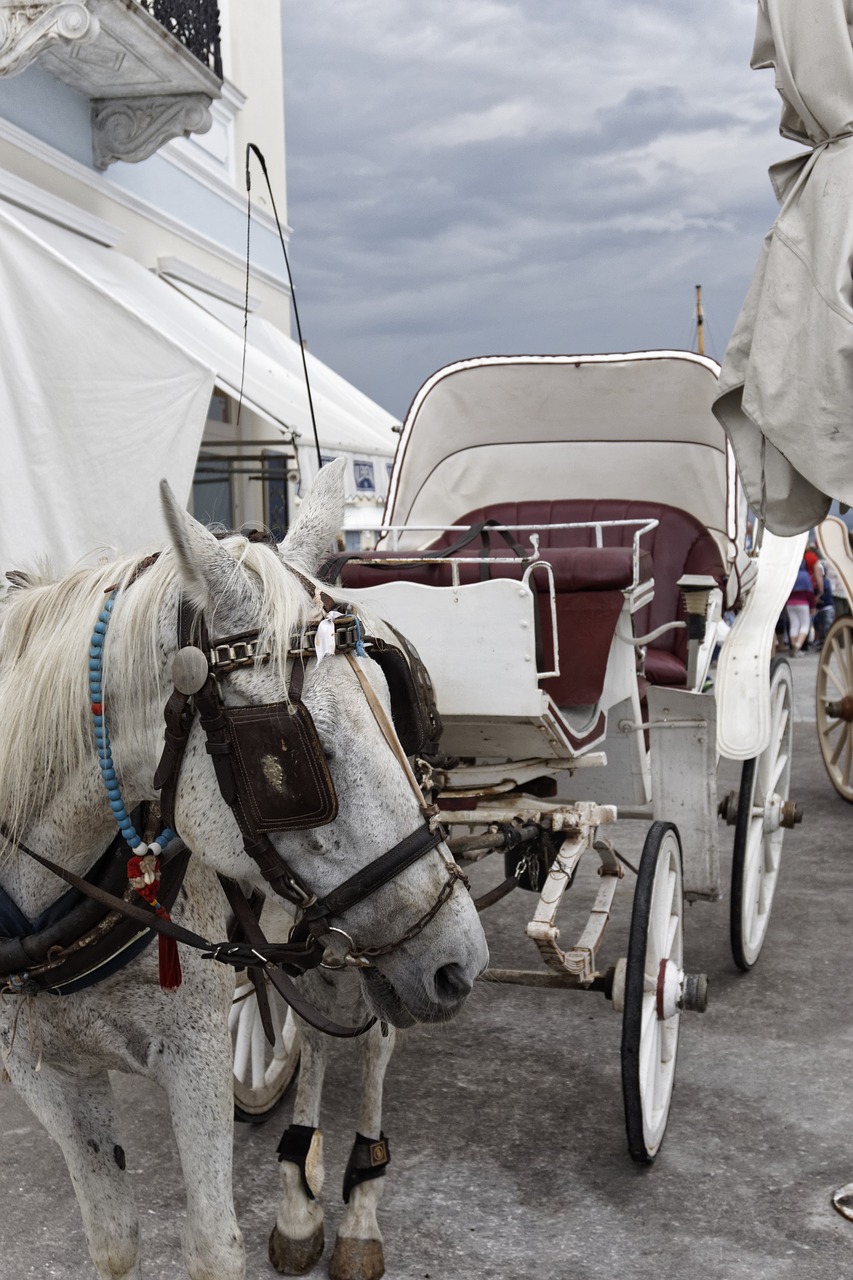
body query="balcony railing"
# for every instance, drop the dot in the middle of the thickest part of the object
(195, 23)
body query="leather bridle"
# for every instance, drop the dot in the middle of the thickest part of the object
(305, 948)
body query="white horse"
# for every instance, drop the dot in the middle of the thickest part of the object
(57, 1049)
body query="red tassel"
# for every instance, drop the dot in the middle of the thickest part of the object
(168, 958)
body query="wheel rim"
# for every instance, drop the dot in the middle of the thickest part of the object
(650, 1038)
(262, 1072)
(758, 851)
(834, 706)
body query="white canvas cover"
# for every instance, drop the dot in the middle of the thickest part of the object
(786, 388)
(96, 405)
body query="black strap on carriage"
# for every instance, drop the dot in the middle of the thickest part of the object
(330, 571)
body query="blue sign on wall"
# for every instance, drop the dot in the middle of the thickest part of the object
(364, 476)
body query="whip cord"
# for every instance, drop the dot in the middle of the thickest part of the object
(251, 147)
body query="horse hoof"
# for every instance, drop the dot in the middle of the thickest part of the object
(357, 1259)
(295, 1257)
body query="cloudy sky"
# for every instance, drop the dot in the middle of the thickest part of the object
(471, 177)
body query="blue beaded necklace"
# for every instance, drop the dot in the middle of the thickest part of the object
(102, 739)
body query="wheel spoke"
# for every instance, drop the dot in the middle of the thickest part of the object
(649, 1053)
(847, 648)
(839, 747)
(242, 1046)
(840, 687)
(662, 902)
(779, 768)
(848, 753)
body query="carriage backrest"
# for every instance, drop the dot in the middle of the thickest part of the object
(679, 544)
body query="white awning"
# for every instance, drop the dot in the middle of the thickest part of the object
(97, 403)
(105, 379)
(347, 420)
(268, 388)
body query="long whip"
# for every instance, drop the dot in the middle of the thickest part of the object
(251, 147)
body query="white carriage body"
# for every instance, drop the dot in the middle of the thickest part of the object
(633, 430)
(563, 536)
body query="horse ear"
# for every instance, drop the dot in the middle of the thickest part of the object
(210, 574)
(320, 519)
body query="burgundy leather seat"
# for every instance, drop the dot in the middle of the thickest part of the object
(589, 581)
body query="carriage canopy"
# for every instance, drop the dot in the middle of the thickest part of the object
(514, 428)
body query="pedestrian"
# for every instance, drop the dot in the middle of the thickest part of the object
(800, 608)
(781, 638)
(825, 613)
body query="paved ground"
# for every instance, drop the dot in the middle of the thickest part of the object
(509, 1155)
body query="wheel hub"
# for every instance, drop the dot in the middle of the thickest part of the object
(668, 995)
(841, 710)
(677, 990)
(779, 812)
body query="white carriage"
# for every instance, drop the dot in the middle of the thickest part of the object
(563, 536)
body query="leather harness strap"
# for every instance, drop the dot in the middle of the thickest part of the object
(284, 985)
(390, 734)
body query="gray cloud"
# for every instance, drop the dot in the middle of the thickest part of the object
(520, 175)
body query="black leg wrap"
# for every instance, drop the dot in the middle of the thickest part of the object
(368, 1159)
(294, 1147)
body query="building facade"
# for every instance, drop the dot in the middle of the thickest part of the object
(124, 126)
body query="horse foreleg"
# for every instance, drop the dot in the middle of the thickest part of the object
(358, 1253)
(196, 1072)
(297, 1238)
(79, 1114)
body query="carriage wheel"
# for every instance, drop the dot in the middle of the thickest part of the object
(835, 705)
(262, 1072)
(653, 992)
(763, 811)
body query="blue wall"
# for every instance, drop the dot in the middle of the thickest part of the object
(60, 117)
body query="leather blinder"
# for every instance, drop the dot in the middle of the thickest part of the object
(279, 768)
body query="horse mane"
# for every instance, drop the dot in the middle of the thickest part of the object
(46, 729)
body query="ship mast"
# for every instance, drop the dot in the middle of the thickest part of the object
(700, 322)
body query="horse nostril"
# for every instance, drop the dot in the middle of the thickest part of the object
(452, 984)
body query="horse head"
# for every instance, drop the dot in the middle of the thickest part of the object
(419, 927)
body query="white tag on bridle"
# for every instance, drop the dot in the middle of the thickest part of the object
(324, 640)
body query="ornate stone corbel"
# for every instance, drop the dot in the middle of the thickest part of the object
(132, 129)
(26, 30)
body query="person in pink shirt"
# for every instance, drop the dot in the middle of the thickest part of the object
(801, 607)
